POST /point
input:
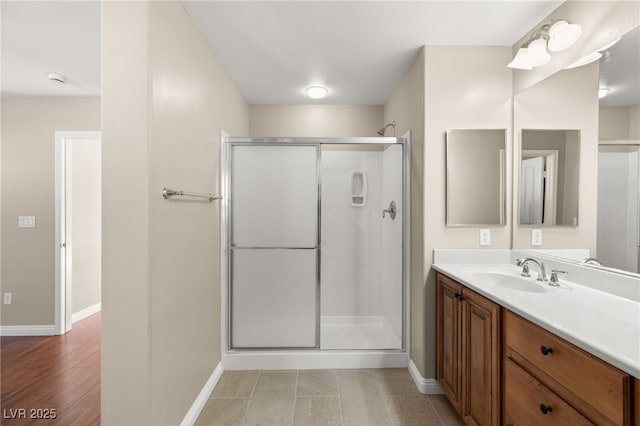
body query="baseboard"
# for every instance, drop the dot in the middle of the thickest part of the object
(426, 386)
(312, 360)
(195, 410)
(27, 330)
(80, 315)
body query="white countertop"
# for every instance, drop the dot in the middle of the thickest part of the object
(603, 324)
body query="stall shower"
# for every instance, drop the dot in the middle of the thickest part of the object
(315, 244)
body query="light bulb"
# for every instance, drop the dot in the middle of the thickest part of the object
(316, 92)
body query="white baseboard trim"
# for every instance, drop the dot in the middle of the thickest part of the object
(195, 410)
(312, 360)
(426, 386)
(27, 330)
(80, 315)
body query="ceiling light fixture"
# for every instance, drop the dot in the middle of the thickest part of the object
(593, 56)
(317, 92)
(557, 36)
(603, 91)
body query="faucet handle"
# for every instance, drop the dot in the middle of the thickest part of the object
(553, 280)
(525, 270)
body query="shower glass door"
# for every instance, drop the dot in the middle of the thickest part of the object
(274, 246)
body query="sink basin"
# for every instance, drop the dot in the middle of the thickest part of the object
(512, 282)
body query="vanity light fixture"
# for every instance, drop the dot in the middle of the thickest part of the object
(593, 56)
(316, 92)
(556, 36)
(603, 91)
(562, 35)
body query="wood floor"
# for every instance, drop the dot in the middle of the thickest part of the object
(52, 379)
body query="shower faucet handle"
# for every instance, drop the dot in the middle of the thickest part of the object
(391, 210)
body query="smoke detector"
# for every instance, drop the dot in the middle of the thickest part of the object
(58, 78)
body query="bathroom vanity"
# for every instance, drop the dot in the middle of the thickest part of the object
(513, 351)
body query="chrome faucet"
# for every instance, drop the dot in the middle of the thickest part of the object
(591, 261)
(542, 276)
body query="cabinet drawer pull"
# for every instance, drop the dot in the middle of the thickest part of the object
(458, 296)
(545, 409)
(545, 350)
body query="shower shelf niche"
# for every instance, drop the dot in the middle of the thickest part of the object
(358, 188)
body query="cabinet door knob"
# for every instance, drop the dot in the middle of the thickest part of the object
(545, 350)
(545, 409)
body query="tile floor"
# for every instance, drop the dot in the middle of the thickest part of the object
(324, 397)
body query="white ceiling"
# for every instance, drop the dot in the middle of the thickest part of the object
(272, 50)
(50, 37)
(359, 50)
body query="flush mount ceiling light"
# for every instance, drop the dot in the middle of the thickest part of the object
(316, 92)
(557, 36)
(603, 91)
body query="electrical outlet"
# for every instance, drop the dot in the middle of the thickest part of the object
(536, 237)
(7, 298)
(485, 237)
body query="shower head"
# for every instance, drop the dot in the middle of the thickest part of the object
(384, 129)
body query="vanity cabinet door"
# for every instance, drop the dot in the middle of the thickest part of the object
(468, 351)
(481, 339)
(448, 337)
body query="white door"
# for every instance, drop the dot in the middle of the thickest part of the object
(532, 191)
(274, 246)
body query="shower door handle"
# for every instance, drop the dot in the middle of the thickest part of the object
(391, 210)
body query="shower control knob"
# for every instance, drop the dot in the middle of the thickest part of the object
(391, 210)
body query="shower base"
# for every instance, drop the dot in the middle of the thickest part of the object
(370, 332)
(346, 342)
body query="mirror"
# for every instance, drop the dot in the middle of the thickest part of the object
(549, 166)
(475, 188)
(618, 240)
(618, 138)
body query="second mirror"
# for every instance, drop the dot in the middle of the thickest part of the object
(549, 168)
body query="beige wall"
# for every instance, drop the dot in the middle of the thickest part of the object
(601, 21)
(540, 107)
(315, 120)
(166, 97)
(466, 87)
(28, 254)
(406, 107)
(83, 223)
(619, 123)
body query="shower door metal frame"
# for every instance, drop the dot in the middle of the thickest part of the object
(227, 142)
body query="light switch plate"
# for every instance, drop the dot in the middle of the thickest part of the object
(485, 237)
(536, 237)
(26, 221)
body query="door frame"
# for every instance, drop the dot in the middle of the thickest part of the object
(61, 137)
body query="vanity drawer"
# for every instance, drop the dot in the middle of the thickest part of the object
(594, 382)
(528, 402)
